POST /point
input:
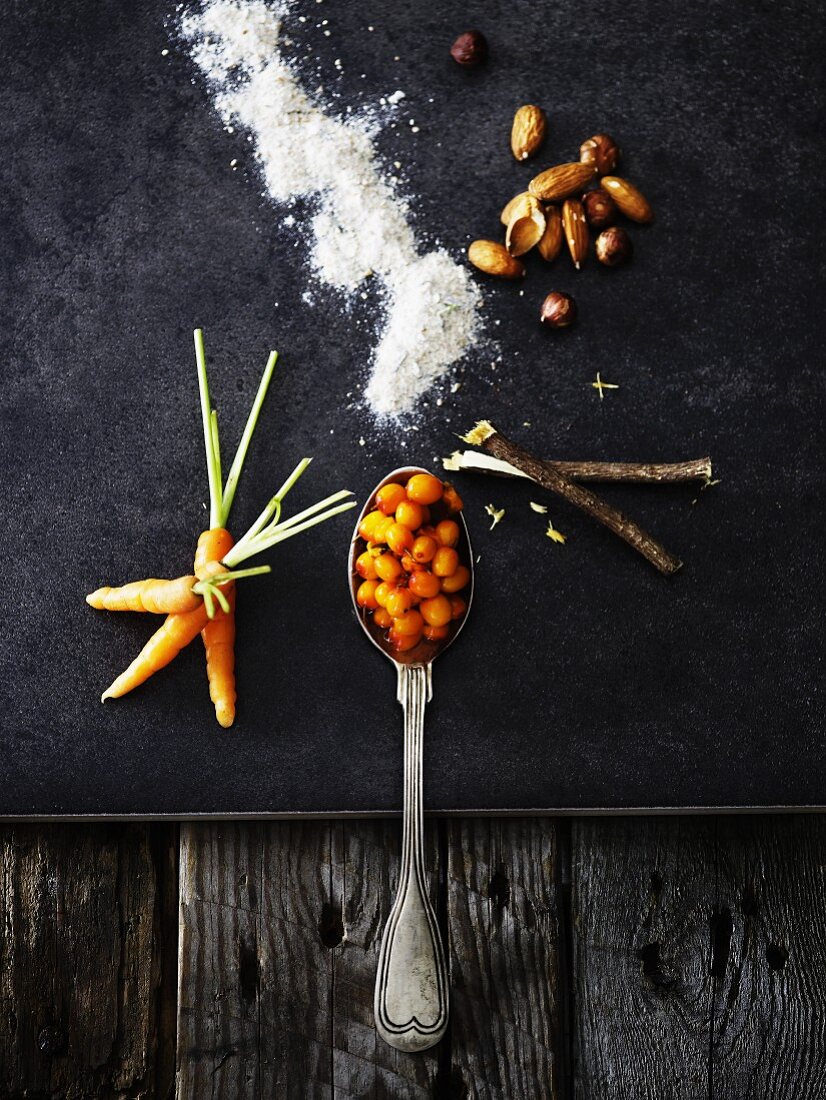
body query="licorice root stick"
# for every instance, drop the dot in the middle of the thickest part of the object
(545, 474)
(641, 473)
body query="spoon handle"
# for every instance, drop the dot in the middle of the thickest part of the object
(411, 1003)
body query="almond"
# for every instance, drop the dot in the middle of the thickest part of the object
(506, 217)
(576, 230)
(526, 226)
(631, 202)
(551, 240)
(494, 259)
(560, 181)
(528, 131)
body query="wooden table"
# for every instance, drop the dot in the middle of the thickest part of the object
(676, 957)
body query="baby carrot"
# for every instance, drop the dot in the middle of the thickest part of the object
(218, 633)
(219, 643)
(166, 643)
(158, 596)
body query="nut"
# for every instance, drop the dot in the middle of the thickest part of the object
(526, 226)
(576, 230)
(470, 49)
(528, 131)
(560, 181)
(631, 201)
(551, 240)
(614, 246)
(602, 151)
(506, 217)
(600, 208)
(494, 259)
(558, 310)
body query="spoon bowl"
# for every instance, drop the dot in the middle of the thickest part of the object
(425, 652)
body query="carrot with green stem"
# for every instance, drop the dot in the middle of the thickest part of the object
(216, 560)
(162, 597)
(181, 628)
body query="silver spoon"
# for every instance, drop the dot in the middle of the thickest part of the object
(411, 997)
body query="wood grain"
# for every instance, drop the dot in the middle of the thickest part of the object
(642, 906)
(80, 962)
(279, 939)
(769, 1035)
(367, 872)
(503, 922)
(697, 946)
(218, 982)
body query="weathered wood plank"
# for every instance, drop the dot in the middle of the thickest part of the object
(279, 938)
(502, 914)
(295, 960)
(218, 973)
(79, 962)
(366, 873)
(770, 987)
(700, 957)
(643, 893)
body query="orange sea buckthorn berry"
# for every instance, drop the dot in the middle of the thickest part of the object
(456, 581)
(389, 497)
(366, 566)
(403, 642)
(410, 514)
(452, 499)
(436, 612)
(366, 595)
(458, 607)
(424, 585)
(426, 529)
(388, 567)
(424, 548)
(436, 633)
(382, 618)
(424, 489)
(381, 528)
(425, 514)
(399, 538)
(409, 564)
(368, 525)
(399, 601)
(448, 532)
(445, 562)
(383, 590)
(410, 622)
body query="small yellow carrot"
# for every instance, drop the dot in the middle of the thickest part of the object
(218, 633)
(219, 644)
(166, 643)
(161, 597)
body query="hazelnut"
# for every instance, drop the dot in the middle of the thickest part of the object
(469, 49)
(600, 208)
(614, 246)
(558, 310)
(602, 151)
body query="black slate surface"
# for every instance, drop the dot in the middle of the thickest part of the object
(585, 680)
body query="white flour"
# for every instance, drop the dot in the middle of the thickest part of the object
(360, 229)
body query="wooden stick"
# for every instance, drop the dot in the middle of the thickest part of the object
(545, 474)
(642, 473)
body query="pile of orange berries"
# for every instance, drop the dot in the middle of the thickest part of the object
(410, 568)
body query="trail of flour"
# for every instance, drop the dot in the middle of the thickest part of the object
(360, 229)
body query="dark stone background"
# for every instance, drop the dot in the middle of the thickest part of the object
(585, 679)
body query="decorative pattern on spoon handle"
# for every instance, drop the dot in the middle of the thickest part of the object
(411, 1000)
